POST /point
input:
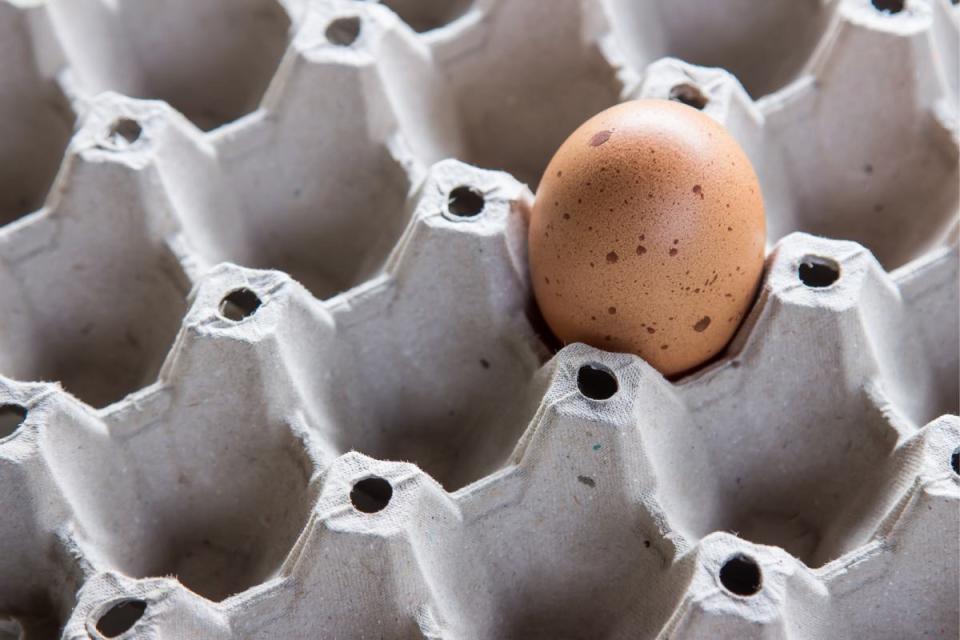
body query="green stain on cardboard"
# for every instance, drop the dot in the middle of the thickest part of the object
(597, 446)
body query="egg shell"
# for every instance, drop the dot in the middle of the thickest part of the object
(647, 235)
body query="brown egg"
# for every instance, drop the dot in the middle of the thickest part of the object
(647, 235)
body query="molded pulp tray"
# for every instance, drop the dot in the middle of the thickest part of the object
(296, 386)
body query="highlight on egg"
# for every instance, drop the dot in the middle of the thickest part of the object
(647, 235)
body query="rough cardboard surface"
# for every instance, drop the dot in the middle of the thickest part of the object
(253, 304)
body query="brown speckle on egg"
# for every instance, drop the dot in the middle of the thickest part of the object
(598, 139)
(627, 175)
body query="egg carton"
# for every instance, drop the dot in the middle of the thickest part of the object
(299, 387)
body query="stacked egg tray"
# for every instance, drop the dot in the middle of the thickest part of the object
(272, 366)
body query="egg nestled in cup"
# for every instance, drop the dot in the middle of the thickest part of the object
(647, 235)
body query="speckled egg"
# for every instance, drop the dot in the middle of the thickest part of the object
(647, 235)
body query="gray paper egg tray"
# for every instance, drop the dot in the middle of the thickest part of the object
(273, 368)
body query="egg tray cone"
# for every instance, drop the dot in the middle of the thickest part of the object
(298, 387)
